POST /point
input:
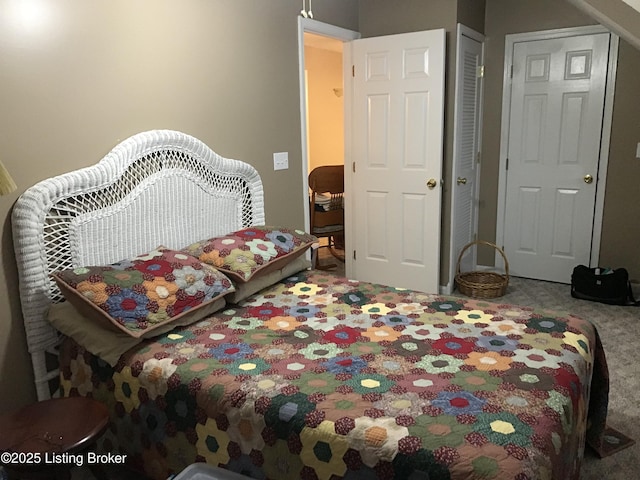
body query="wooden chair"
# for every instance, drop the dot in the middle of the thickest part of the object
(327, 210)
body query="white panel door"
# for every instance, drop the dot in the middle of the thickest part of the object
(466, 149)
(398, 93)
(557, 102)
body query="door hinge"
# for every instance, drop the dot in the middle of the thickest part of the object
(353, 70)
(478, 154)
(480, 71)
(511, 71)
(507, 164)
(353, 167)
(354, 254)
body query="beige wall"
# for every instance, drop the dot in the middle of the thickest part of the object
(93, 73)
(326, 108)
(471, 14)
(384, 17)
(620, 226)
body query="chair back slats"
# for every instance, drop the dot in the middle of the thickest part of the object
(327, 207)
(327, 179)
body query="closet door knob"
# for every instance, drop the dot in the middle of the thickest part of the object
(461, 181)
(431, 183)
(588, 179)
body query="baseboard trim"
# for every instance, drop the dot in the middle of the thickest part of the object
(450, 287)
(446, 289)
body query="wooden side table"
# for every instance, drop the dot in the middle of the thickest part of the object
(46, 439)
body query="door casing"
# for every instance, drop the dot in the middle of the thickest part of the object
(454, 250)
(510, 41)
(327, 30)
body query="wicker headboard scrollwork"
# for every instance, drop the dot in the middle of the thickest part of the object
(160, 187)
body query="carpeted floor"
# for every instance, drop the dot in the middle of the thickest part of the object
(619, 329)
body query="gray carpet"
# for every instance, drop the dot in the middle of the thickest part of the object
(619, 329)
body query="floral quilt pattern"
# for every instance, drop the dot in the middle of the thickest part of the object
(319, 377)
(244, 253)
(145, 292)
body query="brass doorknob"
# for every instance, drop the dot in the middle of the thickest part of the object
(588, 179)
(431, 183)
(461, 181)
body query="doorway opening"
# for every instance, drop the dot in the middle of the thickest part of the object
(325, 100)
(323, 60)
(322, 98)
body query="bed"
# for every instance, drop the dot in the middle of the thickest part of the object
(276, 370)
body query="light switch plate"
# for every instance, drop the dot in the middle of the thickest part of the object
(281, 160)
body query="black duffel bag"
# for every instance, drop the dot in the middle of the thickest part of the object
(602, 285)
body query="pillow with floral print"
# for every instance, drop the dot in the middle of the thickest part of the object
(140, 295)
(260, 249)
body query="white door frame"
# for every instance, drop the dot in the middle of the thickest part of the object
(313, 26)
(510, 41)
(453, 255)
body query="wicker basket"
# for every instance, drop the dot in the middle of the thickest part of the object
(479, 284)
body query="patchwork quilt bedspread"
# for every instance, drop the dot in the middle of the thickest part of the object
(322, 377)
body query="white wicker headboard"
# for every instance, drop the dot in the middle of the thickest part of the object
(160, 187)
